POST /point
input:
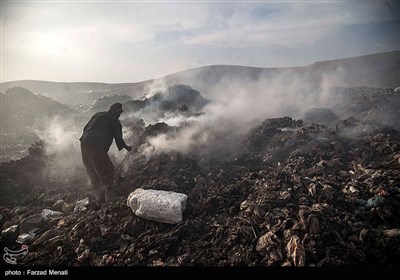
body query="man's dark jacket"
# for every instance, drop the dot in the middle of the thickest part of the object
(101, 129)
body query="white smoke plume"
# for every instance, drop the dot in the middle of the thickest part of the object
(240, 105)
(61, 135)
(158, 85)
(62, 147)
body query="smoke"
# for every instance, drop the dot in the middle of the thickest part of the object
(182, 142)
(158, 85)
(236, 106)
(239, 105)
(61, 137)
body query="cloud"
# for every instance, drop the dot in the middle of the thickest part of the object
(105, 24)
(78, 41)
(243, 38)
(287, 24)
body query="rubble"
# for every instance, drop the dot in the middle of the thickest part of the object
(296, 194)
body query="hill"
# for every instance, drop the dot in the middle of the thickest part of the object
(22, 109)
(376, 70)
(23, 115)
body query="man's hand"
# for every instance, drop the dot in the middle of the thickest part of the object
(128, 148)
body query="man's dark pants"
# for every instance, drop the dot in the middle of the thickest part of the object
(98, 166)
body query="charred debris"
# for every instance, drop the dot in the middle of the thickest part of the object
(323, 191)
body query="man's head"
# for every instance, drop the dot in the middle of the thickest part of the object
(116, 108)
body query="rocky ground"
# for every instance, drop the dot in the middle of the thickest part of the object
(323, 191)
(295, 195)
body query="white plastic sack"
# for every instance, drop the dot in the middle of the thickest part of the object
(156, 205)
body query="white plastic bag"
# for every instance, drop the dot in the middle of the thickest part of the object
(156, 205)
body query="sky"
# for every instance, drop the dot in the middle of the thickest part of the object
(133, 41)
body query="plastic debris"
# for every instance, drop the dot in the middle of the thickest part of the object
(156, 205)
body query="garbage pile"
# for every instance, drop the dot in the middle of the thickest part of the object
(296, 194)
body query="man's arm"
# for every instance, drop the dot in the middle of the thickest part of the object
(117, 133)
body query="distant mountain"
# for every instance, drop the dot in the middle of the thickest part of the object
(377, 70)
(22, 111)
(72, 93)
